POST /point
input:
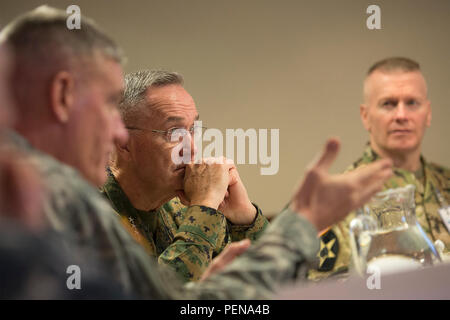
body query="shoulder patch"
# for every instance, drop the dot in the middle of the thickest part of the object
(329, 248)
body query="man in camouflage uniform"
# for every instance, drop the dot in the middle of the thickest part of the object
(17, 201)
(23, 237)
(396, 112)
(142, 177)
(85, 221)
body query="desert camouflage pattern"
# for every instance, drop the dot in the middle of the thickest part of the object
(335, 252)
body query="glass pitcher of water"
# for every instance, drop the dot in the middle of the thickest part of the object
(385, 234)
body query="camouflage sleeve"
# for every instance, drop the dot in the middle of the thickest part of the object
(280, 256)
(139, 273)
(202, 231)
(335, 252)
(252, 231)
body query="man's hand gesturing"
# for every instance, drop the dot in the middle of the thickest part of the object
(326, 199)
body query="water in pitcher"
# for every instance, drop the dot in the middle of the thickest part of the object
(387, 235)
(400, 248)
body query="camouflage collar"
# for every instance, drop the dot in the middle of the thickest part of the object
(46, 161)
(118, 199)
(17, 140)
(422, 180)
(370, 155)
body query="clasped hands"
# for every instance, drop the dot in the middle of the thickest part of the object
(215, 183)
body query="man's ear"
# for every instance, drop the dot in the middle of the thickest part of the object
(429, 114)
(62, 95)
(363, 112)
(123, 149)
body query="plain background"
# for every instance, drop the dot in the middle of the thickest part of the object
(291, 65)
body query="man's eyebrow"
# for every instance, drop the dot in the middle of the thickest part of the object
(389, 98)
(178, 119)
(174, 119)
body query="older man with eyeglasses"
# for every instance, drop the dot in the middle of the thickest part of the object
(184, 227)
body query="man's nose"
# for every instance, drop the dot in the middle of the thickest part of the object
(189, 144)
(401, 113)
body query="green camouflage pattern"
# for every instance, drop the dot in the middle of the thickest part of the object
(183, 238)
(426, 180)
(77, 212)
(281, 257)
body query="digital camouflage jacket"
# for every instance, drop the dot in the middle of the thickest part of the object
(432, 184)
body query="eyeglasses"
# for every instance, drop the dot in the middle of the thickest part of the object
(174, 134)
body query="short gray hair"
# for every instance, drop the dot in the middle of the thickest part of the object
(42, 45)
(137, 84)
(42, 34)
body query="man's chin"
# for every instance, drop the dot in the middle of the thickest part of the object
(403, 147)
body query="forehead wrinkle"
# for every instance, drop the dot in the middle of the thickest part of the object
(167, 106)
(155, 112)
(167, 110)
(177, 119)
(156, 104)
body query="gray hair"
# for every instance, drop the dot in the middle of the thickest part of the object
(136, 86)
(42, 34)
(41, 45)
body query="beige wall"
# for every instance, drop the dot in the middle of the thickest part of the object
(293, 65)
